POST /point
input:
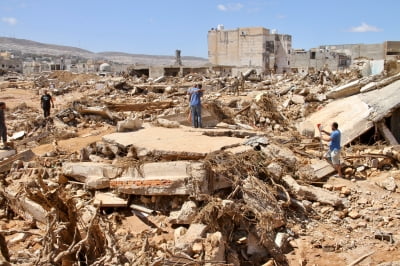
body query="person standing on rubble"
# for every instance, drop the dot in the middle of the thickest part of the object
(3, 127)
(45, 101)
(195, 95)
(333, 154)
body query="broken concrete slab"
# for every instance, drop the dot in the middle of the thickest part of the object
(345, 90)
(311, 192)
(101, 111)
(94, 175)
(109, 200)
(164, 178)
(375, 85)
(129, 125)
(7, 153)
(171, 143)
(321, 168)
(280, 152)
(26, 207)
(356, 114)
(5, 165)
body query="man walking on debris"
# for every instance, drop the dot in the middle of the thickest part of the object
(195, 95)
(3, 128)
(333, 155)
(45, 102)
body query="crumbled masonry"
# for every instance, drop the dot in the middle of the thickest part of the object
(117, 175)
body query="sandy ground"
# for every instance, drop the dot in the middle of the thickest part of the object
(71, 145)
(13, 97)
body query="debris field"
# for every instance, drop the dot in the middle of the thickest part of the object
(117, 175)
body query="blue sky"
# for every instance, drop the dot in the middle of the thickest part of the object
(162, 26)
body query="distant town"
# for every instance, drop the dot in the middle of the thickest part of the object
(230, 52)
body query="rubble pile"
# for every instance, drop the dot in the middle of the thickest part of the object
(251, 188)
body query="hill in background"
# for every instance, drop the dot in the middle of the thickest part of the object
(37, 48)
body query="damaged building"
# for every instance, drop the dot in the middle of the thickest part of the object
(341, 56)
(9, 62)
(253, 47)
(237, 50)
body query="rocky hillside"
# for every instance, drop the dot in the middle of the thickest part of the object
(32, 47)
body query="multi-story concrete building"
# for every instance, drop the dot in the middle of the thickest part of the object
(254, 47)
(241, 49)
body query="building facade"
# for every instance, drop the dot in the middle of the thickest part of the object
(9, 62)
(340, 56)
(266, 51)
(254, 47)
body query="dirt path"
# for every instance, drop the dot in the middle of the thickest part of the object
(14, 97)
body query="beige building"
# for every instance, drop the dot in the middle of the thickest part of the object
(254, 47)
(10, 63)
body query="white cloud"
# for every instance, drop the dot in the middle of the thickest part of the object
(230, 7)
(364, 27)
(9, 20)
(222, 7)
(280, 16)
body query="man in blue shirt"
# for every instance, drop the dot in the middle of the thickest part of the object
(195, 95)
(333, 155)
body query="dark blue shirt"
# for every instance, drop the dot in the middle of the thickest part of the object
(335, 140)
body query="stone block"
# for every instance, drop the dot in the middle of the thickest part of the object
(94, 175)
(184, 242)
(129, 125)
(185, 215)
(164, 178)
(214, 248)
(109, 200)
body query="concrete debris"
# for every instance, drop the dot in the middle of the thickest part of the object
(93, 175)
(166, 123)
(214, 249)
(311, 193)
(388, 184)
(108, 200)
(116, 175)
(165, 178)
(100, 111)
(185, 215)
(185, 239)
(129, 125)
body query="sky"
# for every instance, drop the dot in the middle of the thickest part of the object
(159, 27)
